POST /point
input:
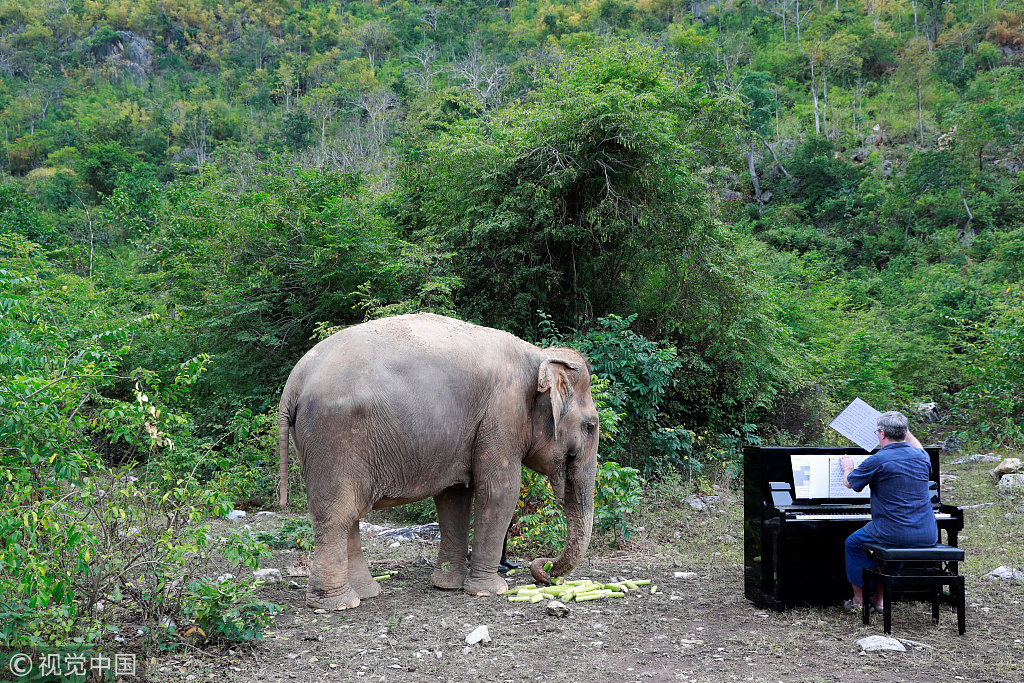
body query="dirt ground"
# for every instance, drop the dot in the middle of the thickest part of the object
(693, 629)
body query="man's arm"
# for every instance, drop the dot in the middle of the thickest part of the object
(912, 440)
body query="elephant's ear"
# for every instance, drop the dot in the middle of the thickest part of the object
(557, 375)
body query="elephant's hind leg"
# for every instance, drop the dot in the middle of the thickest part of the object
(453, 510)
(329, 586)
(359, 576)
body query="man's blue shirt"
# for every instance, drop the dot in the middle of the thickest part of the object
(901, 509)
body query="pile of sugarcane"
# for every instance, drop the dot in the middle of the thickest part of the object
(582, 590)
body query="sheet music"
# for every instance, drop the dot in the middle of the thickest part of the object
(820, 476)
(858, 423)
(836, 487)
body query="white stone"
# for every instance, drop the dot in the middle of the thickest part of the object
(396, 544)
(686, 576)
(269, 575)
(235, 515)
(1005, 573)
(168, 623)
(225, 577)
(479, 634)
(880, 643)
(1011, 482)
(1007, 466)
(266, 513)
(556, 608)
(977, 457)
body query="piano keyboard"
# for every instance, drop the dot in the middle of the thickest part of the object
(849, 516)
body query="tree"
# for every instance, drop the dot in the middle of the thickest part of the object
(320, 105)
(581, 199)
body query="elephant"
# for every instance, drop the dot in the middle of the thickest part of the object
(403, 408)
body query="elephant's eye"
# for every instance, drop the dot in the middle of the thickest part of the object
(589, 428)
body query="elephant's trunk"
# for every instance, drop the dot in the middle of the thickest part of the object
(579, 521)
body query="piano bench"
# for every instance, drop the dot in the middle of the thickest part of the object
(915, 574)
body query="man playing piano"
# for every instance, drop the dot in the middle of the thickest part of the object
(901, 509)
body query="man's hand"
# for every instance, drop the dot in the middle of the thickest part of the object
(846, 462)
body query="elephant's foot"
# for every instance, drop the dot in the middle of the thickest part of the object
(492, 585)
(365, 586)
(337, 599)
(448, 579)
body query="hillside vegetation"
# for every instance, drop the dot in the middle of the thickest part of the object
(746, 213)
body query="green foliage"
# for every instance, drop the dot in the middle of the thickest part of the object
(616, 497)
(993, 405)
(245, 549)
(254, 271)
(293, 533)
(80, 533)
(539, 525)
(227, 611)
(575, 200)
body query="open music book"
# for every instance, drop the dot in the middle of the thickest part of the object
(858, 423)
(820, 476)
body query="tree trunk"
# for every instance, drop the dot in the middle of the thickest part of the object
(753, 175)
(814, 96)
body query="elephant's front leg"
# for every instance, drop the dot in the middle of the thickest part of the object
(454, 506)
(494, 503)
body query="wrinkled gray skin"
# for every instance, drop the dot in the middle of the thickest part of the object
(416, 406)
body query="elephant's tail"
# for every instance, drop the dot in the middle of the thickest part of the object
(284, 425)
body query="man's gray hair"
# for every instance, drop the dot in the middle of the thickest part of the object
(894, 424)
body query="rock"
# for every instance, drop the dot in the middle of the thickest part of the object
(916, 644)
(225, 577)
(270, 575)
(396, 544)
(294, 585)
(424, 532)
(696, 503)
(927, 412)
(952, 445)
(479, 634)
(977, 457)
(266, 513)
(235, 515)
(1011, 483)
(886, 168)
(1006, 574)
(168, 623)
(557, 609)
(1007, 466)
(860, 155)
(881, 643)
(686, 576)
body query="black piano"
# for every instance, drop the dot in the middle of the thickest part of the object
(794, 530)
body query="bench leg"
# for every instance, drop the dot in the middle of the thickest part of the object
(866, 582)
(961, 616)
(887, 605)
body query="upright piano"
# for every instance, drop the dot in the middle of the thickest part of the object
(796, 520)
